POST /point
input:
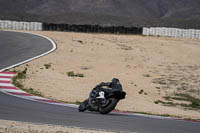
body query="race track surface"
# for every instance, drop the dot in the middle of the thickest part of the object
(17, 47)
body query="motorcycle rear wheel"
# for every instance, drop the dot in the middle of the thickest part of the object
(108, 108)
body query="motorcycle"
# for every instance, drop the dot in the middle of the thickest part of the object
(102, 100)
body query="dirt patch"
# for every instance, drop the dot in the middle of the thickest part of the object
(149, 68)
(22, 127)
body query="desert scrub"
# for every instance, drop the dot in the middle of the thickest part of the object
(147, 75)
(164, 103)
(72, 74)
(16, 82)
(34, 92)
(47, 66)
(20, 75)
(142, 92)
(193, 103)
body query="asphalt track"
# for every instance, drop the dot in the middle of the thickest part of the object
(17, 47)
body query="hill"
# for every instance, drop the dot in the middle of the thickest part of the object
(176, 13)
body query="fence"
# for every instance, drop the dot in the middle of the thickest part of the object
(172, 32)
(153, 31)
(6, 24)
(14, 25)
(92, 28)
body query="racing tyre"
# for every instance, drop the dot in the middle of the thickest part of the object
(82, 106)
(112, 102)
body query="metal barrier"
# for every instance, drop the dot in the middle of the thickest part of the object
(152, 31)
(172, 32)
(14, 25)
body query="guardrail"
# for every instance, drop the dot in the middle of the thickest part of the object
(7, 24)
(152, 31)
(14, 25)
(172, 32)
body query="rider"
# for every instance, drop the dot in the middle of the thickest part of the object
(99, 91)
(114, 85)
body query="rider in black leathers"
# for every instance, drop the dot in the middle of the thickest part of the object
(106, 87)
(114, 84)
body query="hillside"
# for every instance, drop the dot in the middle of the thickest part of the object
(176, 13)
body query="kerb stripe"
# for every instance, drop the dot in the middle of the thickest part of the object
(9, 77)
(8, 73)
(9, 87)
(8, 82)
(20, 94)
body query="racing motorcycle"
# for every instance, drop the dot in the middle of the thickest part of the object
(102, 100)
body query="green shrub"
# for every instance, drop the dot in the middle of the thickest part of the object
(141, 91)
(47, 66)
(16, 82)
(194, 103)
(72, 74)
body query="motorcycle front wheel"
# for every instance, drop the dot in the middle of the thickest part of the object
(82, 106)
(105, 109)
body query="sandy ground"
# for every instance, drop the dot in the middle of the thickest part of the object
(22, 127)
(149, 68)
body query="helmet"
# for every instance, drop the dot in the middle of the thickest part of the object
(115, 80)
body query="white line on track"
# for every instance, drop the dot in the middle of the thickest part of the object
(5, 79)
(12, 90)
(36, 97)
(5, 74)
(6, 84)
